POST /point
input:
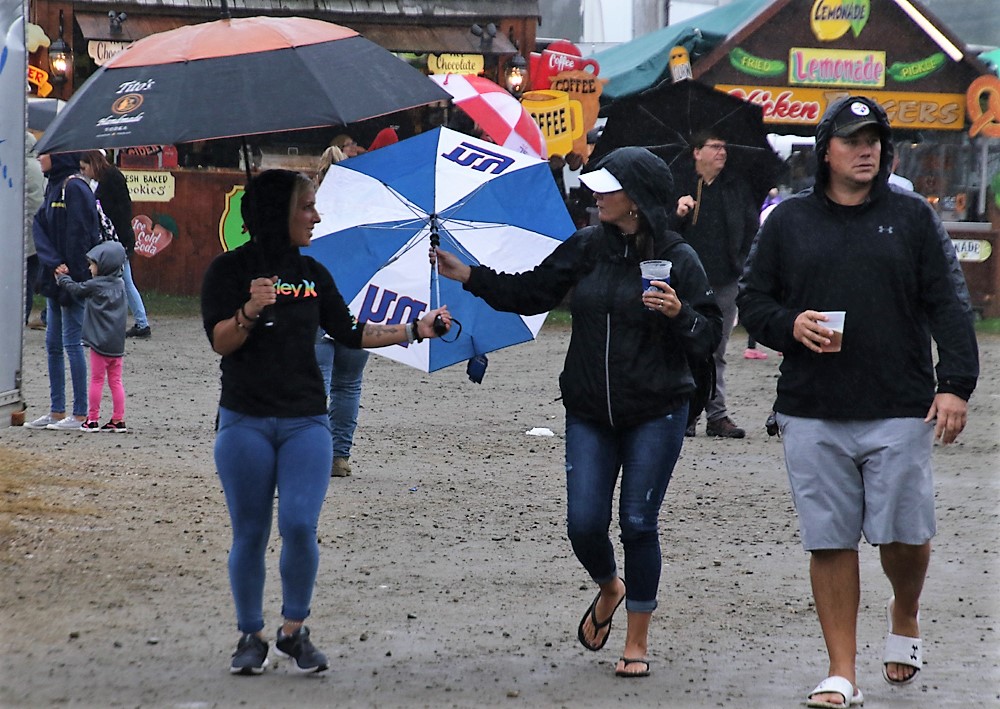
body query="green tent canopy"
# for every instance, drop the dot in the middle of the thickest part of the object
(990, 59)
(643, 62)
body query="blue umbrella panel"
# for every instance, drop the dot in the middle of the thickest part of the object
(487, 204)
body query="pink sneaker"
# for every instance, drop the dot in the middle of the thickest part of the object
(754, 354)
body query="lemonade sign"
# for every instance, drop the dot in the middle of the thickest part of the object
(831, 19)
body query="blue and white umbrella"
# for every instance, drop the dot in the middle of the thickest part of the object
(487, 204)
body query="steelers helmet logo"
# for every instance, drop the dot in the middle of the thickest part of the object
(126, 104)
(860, 109)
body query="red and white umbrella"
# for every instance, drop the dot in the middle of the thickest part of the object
(500, 115)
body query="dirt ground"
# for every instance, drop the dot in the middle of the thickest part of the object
(446, 579)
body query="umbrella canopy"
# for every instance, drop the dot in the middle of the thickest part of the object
(42, 111)
(500, 115)
(236, 77)
(664, 119)
(487, 204)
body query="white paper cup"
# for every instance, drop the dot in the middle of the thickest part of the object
(835, 321)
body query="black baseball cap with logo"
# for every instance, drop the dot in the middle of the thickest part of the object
(854, 115)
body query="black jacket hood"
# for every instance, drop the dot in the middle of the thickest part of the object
(824, 132)
(646, 179)
(266, 207)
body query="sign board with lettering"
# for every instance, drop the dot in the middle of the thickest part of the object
(559, 118)
(150, 185)
(584, 87)
(972, 250)
(101, 50)
(797, 60)
(805, 106)
(455, 63)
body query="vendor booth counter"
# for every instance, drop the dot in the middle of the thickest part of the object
(976, 244)
(187, 229)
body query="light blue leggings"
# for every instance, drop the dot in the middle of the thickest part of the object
(254, 458)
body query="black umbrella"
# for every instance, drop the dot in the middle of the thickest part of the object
(42, 111)
(665, 117)
(236, 77)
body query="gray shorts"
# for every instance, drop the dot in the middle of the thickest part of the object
(849, 477)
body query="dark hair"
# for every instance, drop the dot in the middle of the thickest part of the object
(702, 136)
(97, 161)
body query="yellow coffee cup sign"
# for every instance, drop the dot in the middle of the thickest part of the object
(559, 117)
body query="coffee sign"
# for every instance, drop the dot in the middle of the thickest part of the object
(584, 87)
(558, 117)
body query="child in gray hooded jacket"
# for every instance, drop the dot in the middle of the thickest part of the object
(104, 323)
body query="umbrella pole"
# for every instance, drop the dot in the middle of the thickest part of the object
(435, 274)
(246, 156)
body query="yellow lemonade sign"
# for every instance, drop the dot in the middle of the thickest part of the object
(831, 19)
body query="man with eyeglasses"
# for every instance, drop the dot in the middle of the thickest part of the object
(717, 215)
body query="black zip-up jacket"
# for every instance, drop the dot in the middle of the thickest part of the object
(625, 364)
(892, 267)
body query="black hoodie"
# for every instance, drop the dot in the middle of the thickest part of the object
(892, 267)
(66, 226)
(275, 373)
(625, 364)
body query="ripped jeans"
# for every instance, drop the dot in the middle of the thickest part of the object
(645, 454)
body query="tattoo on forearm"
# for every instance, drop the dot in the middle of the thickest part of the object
(381, 332)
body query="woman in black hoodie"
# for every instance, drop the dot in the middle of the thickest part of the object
(261, 305)
(626, 382)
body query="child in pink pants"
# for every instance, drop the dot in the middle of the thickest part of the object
(104, 323)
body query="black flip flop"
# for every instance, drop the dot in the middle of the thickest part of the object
(598, 627)
(632, 661)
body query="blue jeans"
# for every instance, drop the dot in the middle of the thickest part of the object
(30, 275)
(64, 333)
(134, 299)
(645, 454)
(342, 368)
(254, 457)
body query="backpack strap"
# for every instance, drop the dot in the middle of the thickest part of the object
(74, 176)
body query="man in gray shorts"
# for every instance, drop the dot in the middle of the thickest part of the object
(860, 404)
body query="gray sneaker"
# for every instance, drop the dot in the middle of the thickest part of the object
(250, 657)
(67, 424)
(44, 421)
(341, 468)
(298, 647)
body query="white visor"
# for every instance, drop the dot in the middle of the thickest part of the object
(601, 181)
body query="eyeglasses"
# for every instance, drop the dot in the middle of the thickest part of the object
(715, 146)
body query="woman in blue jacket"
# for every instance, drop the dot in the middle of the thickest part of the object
(65, 229)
